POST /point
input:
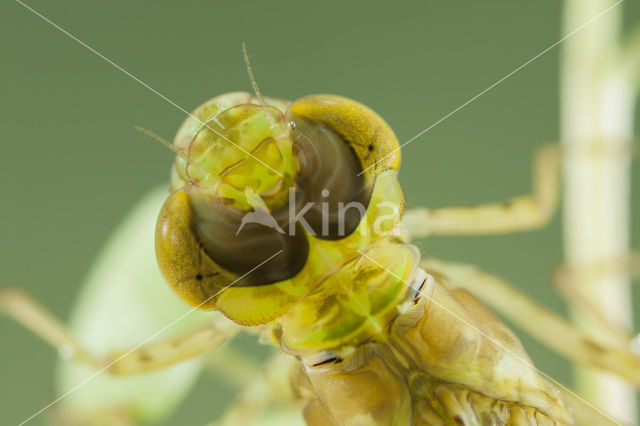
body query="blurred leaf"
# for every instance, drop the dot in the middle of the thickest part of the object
(124, 301)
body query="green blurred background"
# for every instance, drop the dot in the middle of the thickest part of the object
(72, 164)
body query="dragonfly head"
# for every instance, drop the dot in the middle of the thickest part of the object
(257, 212)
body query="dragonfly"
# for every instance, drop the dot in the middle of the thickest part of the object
(288, 219)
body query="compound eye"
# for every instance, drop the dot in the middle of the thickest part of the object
(200, 254)
(241, 241)
(342, 147)
(330, 179)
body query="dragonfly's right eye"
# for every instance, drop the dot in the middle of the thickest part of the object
(201, 251)
(237, 243)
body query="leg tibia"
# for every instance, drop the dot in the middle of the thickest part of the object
(19, 306)
(517, 214)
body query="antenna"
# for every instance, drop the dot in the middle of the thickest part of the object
(160, 139)
(173, 148)
(254, 84)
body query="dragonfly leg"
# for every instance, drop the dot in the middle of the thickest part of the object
(21, 307)
(566, 279)
(546, 326)
(516, 214)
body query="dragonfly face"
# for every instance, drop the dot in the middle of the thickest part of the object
(310, 182)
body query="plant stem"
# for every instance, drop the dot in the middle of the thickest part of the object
(597, 107)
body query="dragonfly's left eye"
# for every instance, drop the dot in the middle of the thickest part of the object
(331, 180)
(342, 146)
